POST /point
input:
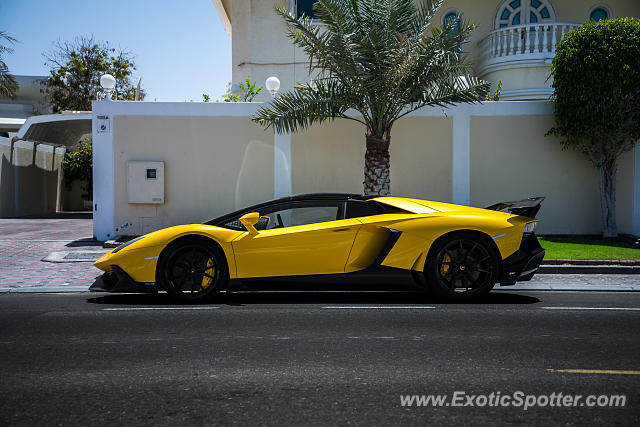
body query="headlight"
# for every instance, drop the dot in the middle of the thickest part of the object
(530, 227)
(119, 248)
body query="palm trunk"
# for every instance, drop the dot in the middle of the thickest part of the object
(376, 167)
(607, 177)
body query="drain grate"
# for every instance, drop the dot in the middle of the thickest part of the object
(82, 256)
(73, 256)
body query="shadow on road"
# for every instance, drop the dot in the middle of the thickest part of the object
(310, 297)
(59, 215)
(88, 241)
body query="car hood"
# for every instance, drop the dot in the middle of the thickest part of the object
(166, 235)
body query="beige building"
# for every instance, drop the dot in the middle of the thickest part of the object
(29, 101)
(514, 41)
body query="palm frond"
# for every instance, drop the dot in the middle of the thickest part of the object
(8, 83)
(11, 40)
(318, 102)
(421, 20)
(383, 58)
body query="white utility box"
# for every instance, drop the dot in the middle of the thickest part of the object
(145, 182)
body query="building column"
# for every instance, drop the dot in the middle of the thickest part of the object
(635, 218)
(461, 173)
(103, 170)
(61, 151)
(16, 179)
(281, 165)
(44, 180)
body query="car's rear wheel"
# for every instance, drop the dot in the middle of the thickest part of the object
(461, 266)
(193, 270)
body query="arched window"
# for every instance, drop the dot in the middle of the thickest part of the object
(450, 15)
(302, 7)
(519, 12)
(599, 12)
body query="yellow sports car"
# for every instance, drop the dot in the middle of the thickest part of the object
(455, 252)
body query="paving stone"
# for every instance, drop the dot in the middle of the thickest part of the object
(24, 242)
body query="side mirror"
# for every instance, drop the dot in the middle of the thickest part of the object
(249, 221)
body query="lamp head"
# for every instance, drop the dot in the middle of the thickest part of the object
(273, 84)
(108, 82)
(235, 89)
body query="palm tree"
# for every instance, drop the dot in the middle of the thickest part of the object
(381, 58)
(8, 83)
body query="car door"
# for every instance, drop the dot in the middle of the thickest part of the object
(301, 238)
(377, 236)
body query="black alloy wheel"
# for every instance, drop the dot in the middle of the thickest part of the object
(193, 270)
(462, 266)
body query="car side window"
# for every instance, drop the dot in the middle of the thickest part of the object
(237, 225)
(293, 213)
(301, 215)
(360, 208)
(234, 225)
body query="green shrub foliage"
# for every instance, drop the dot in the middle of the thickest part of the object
(77, 166)
(596, 81)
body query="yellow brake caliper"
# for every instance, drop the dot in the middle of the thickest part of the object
(210, 270)
(445, 267)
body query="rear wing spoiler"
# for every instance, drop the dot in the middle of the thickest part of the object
(525, 207)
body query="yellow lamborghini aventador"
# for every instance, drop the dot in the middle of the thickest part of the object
(455, 252)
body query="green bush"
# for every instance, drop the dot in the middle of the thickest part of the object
(596, 82)
(248, 91)
(78, 166)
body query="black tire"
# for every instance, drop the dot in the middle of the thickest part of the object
(461, 267)
(193, 270)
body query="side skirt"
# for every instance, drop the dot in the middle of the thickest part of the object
(372, 278)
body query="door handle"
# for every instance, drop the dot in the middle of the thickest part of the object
(341, 229)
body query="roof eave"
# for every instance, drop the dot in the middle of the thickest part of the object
(224, 15)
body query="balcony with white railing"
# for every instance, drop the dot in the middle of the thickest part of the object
(530, 45)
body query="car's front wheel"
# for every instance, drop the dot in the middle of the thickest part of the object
(461, 266)
(192, 270)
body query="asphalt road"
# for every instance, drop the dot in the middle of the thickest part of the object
(314, 358)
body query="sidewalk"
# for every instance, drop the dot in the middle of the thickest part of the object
(24, 242)
(578, 282)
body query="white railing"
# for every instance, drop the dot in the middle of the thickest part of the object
(531, 40)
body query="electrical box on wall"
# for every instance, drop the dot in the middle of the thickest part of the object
(145, 182)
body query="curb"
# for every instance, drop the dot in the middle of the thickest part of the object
(43, 289)
(588, 269)
(526, 286)
(626, 262)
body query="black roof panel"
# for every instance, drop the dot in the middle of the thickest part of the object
(322, 196)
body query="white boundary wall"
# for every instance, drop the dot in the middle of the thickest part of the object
(108, 209)
(30, 177)
(461, 161)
